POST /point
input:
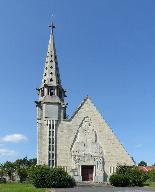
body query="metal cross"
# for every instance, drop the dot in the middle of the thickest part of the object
(52, 26)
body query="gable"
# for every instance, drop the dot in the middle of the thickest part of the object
(113, 150)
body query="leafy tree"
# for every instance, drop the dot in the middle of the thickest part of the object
(142, 163)
(22, 166)
(9, 169)
(2, 173)
(23, 174)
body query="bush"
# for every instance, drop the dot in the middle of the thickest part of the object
(2, 180)
(128, 176)
(119, 180)
(23, 174)
(45, 177)
(151, 176)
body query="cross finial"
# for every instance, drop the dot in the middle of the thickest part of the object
(52, 26)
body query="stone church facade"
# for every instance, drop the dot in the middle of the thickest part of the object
(84, 145)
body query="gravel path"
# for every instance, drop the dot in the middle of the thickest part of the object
(102, 189)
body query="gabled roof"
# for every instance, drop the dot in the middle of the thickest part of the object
(79, 107)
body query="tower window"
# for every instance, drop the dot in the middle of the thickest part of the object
(49, 140)
(42, 92)
(51, 91)
(52, 162)
(51, 80)
(52, 155)
(49, 147)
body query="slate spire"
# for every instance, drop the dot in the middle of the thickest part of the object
(51, 89)
(51, 76)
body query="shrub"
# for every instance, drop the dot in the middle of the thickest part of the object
(119, 180)
(45, 177)
(151, 175)
(2, 180)
(22, 173)
(128, 176)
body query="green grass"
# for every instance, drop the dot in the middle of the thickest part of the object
(18, 187)
(150, 184)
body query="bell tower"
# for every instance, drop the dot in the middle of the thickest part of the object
(51, 108)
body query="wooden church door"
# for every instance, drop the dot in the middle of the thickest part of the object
(87, 172)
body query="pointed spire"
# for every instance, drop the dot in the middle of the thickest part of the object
(51, 76)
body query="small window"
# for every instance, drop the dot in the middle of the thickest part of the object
(42, 92)
(49, 140)
(49, 155)
(110, 169)
(52, 147)
(51, 80)
(52, 162)
(49, 147)
(49, 133)
(49, 162)
(52, 155)
(113, 169)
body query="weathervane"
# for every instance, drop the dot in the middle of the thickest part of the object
(52, 26)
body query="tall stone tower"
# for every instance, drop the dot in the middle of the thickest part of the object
(51, 108)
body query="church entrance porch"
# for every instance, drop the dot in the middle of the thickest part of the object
(87, 172)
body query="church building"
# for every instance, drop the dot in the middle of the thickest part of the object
(84, 145)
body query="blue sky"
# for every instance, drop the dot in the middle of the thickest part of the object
(105, 50)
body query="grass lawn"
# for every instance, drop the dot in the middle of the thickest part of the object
(18, 187)
(152, 185)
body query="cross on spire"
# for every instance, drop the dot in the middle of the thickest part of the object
(52, 26)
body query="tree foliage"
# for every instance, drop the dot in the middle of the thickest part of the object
(19, 167)
(142, 163)
(151, 175)
(128, 176)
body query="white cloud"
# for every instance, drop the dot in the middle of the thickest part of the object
(7, 152)
(14, 138)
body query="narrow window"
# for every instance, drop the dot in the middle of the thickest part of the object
(110, 169)
(52, 162)
(113, 169)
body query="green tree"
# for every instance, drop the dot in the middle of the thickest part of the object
(22, 173)
(9, 169)
(142, 163)
(22, 166)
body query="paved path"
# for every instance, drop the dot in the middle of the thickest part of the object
(102, 189)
